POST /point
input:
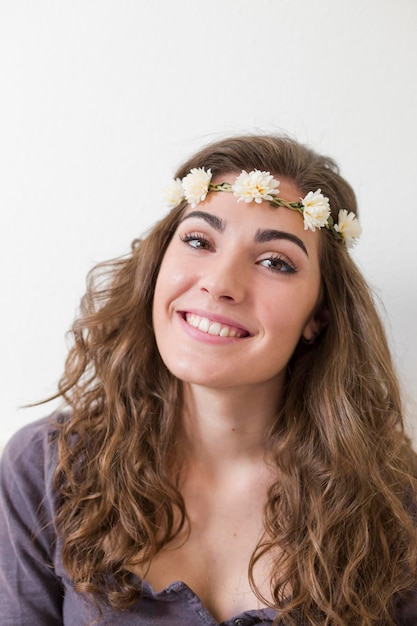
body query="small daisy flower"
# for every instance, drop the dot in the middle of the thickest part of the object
(316, 210)
(196, 185)
(348, 227)
(256, 186)
(174, 193)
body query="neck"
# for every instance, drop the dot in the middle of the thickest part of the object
(222, 426)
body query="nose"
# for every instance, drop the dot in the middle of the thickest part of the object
(224, 279)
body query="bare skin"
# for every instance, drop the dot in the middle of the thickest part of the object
(224, 487)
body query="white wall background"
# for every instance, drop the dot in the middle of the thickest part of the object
(101, 99)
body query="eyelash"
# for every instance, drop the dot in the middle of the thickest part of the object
(197, 237)
(285, 266)
(203, 243)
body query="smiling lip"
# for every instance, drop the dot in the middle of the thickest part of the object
(214, 325)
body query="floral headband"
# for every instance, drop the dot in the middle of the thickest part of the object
(258, 186)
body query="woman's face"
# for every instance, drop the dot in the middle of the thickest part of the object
(238, 286)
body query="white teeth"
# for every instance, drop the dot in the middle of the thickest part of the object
(204, 325)
(212, 328)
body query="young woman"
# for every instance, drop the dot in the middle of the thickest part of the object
(233, 450)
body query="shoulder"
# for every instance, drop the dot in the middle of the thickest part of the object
(30, 566)
(27, 467)
(32, 448)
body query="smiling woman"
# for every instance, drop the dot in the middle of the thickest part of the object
(255, 271)
(232, 449)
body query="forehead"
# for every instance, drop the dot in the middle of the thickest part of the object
(253, 216)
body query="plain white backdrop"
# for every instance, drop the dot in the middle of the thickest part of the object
(102, 99)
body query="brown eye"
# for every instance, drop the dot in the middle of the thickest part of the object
(196, 240)
(277, 264)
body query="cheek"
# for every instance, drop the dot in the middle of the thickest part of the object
(159, 309)
(288, 311)
(173, 278)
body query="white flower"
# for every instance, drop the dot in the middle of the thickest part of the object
(316, 210)
(256, 186)
(174, 193)
(348, 227)
(196, 185)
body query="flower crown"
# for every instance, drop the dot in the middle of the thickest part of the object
(258, 186)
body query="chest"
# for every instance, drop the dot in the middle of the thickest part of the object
(213, 558)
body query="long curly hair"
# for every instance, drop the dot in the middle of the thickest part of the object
(342, 509)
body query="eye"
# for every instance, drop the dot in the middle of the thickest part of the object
(196, 240)
(278, 264)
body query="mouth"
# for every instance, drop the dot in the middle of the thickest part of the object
(211, 327)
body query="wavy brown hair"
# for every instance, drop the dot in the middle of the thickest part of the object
(342, 510)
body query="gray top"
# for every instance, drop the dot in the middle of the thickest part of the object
(34, 587)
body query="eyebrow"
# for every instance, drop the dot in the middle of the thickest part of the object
(211, 219)
(261, 236)
(270, 234)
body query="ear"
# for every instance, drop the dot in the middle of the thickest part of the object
(316, 324)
